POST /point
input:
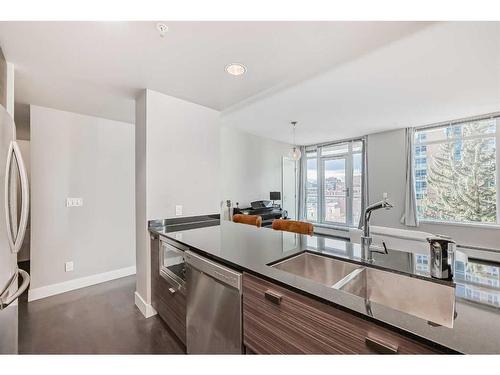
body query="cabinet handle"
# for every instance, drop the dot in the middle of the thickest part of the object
(273, 296)
(381, 347)
(171, 290)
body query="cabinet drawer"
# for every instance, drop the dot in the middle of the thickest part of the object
(170, 304)
(279, 321)
(166, 299)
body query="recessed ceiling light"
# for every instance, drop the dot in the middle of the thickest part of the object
(162, 29)
(236, 69)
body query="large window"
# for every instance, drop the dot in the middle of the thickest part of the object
(456, 173)
(333, 187)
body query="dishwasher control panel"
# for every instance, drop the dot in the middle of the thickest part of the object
(215, 270)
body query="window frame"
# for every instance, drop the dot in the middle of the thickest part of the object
(420, 141)
(349, 180)
(322, 200)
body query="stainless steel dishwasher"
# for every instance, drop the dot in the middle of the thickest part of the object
(213, 320)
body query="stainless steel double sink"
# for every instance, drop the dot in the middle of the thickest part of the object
(432, 301)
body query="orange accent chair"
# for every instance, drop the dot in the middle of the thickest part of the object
(301, 227)
(255, 220)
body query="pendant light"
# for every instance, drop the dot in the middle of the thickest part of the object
(294, 153)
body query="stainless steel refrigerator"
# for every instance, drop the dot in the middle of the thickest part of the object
(14, 209)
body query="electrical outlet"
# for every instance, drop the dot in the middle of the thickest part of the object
(68, 266)
(385, 195)
(178, 210)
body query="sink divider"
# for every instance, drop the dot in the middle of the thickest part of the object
(339, 284)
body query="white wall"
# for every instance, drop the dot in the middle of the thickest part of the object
(386, 168)
(74, 155)
(177, 163)
(143, 264)
(10, 88)
(251, 166)
(387, 173)
(182, 157)
(289, 187)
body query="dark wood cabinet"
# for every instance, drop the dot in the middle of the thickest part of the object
(277, 320)
(166, 298)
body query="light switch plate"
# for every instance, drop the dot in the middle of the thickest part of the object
(74, 202)
(68, 266)
(178, 210)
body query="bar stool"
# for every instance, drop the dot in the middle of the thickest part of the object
(255, 220)
(294, 226)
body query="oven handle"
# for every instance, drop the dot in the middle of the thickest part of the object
(170, 279)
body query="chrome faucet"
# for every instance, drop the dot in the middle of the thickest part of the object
(366, 240)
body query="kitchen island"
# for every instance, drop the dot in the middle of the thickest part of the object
(476, 327)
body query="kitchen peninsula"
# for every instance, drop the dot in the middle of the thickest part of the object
(371, 327)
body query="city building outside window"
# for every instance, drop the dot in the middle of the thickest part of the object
(334, 183)
(456, 175)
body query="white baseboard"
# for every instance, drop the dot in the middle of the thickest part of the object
(146, 309)
(66, 286)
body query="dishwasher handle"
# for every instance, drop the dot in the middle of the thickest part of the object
(221, 273)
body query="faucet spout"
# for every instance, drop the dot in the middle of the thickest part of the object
(366, 240)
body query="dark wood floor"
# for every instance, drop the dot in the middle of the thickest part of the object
(101, 319)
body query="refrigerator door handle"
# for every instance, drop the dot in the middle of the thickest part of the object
(5, 298)
(8, 165)
(16, 243)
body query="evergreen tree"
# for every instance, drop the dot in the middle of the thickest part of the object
(461, 181)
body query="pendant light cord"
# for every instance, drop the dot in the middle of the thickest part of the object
(294, 123)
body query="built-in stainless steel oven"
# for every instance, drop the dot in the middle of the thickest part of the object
(172, 263)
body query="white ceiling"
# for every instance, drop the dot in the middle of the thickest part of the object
(443, 72)
(97, 68)
(337, 79)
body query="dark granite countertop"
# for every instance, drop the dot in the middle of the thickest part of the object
(476, 327)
